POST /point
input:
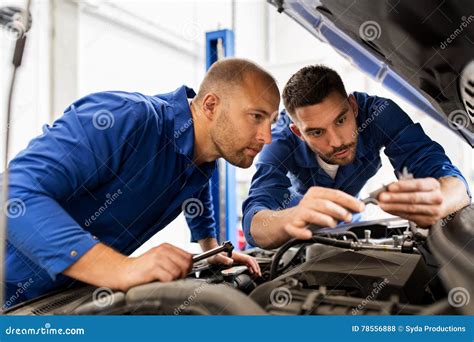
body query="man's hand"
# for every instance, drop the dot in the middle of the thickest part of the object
(321, 206)
(222, 258)
(418, 200)
(238, 258)
(163, 263)
(105, 267)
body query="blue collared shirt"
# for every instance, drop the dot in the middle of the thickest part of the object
(287, 167)
(115, 168)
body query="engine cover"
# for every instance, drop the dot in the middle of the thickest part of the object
(357, 274)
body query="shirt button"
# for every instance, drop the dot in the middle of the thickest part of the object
(73, 253)
(95, 237)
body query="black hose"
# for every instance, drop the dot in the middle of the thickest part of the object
(188, 296)
(298, 252)
(293, 242)
(293, 259)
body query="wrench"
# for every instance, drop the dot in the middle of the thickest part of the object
(226, 246)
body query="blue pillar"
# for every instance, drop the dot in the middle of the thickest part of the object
(220, 44)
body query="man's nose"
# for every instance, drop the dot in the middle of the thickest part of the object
(265, 134)
(334, 140)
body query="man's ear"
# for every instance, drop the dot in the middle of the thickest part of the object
(209, 105)
(296, 131)
(353, 104)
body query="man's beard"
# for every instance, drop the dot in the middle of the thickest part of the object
(332, 159)
(225, 141)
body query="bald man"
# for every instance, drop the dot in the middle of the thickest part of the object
(118, 167)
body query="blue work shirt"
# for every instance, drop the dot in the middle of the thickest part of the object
(287, 167)
(116, 168)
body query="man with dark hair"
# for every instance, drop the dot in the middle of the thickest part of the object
(320, 159)
(118, 167)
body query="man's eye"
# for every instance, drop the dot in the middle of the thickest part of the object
(316, 133)
(257, 117)
(341, 120)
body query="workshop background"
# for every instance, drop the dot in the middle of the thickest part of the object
(78, 47)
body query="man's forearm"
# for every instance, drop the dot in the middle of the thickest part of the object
(454, 195)
(100, 266)
(268, 227)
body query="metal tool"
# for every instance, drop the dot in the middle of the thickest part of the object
(226, 246)
(405, 174)
(372, 198)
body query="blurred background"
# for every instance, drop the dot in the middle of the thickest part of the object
(78, 47)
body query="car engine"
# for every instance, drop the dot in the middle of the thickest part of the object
(384, 267)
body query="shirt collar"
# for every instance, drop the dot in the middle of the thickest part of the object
(183, 124)
(183, 121)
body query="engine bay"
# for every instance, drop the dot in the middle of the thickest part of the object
(382, 267)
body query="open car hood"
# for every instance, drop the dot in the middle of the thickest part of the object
(423, 52)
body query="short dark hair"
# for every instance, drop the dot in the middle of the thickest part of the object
(311, 85)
